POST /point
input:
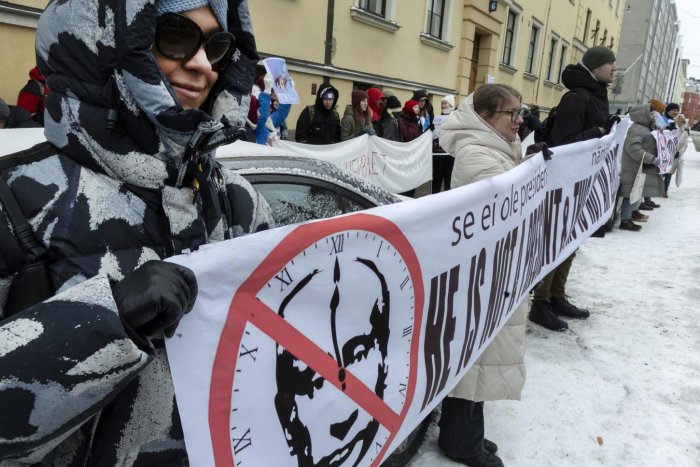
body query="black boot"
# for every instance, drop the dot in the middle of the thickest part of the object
(627, 224)
(566, 308)
(542, 313)
(484, 459)
(490, 446)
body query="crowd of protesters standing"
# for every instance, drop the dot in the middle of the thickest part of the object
(474, 139)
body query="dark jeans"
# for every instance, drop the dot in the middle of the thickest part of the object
(554, 283)
(461, 427)
(667, 182)
(442, 172)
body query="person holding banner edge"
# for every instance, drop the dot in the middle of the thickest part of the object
(582, 114)
(639, 149)
(482, 134)
(142, 94)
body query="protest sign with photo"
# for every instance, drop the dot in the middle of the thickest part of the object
(282, 82)
(666, 146)
(326, 343)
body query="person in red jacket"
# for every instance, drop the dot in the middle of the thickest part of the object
(33, 95)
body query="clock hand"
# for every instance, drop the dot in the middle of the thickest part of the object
(335, 301)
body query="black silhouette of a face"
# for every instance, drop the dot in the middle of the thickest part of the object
(355, 324)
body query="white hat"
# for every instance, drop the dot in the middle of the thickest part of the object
(450, 99)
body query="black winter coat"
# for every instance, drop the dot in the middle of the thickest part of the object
(20, 118)
(387, 127)
(76, 391)
(581, 112)
(324, 126)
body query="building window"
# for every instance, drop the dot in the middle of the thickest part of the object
(562, 59)
(552, 57)
(532, 49)
(376, 7)
(605, 37)
(436, 18)
(594, 34)
(511, 25)
(586, 25)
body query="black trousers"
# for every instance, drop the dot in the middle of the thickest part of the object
(461, 427)
(442, 172)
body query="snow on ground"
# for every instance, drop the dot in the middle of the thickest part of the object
(623, 387)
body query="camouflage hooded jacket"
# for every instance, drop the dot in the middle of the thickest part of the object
(74, 389)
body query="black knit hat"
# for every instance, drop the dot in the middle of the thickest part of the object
(393, 103)
(672, 106)
(597, 56)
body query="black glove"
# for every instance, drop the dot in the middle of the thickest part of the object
(537, 147)
(153, 298)
(607, 126)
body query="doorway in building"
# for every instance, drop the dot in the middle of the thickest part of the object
(475, 63)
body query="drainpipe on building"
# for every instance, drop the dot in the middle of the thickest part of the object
(329, 38)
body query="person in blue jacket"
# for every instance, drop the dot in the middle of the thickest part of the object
(267, 121)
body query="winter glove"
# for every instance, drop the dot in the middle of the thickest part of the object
(613, 119)
(678, 154)
(268, 82)
(537, 147)
(367, 130)
(153, 298)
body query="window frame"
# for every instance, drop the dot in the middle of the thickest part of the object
(359, 12)
(553, 46)
(364, 5)
(431, 14)
(531, 58)
(509, 46)
(563, 53)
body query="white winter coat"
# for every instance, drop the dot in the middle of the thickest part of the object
(480, 152)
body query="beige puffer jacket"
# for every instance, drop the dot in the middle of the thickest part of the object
(480, 153)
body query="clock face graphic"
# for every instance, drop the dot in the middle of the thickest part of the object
(316, 365)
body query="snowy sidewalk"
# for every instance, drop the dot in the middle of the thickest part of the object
(623, 387)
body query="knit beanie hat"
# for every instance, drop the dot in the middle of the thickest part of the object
(597, 56)
(657, 105)
(671, 106)
(393, 102)
(389, 92)
(408, 105)
(219, 7)
(4, 111)
(450, 99)
(358, 96)
(420, 94)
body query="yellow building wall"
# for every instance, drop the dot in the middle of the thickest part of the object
(17, 49)
(359, 48)
(561, 19)
(17, 56)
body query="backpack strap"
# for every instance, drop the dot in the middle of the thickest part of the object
(23, 231)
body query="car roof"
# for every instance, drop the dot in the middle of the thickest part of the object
(311, 168)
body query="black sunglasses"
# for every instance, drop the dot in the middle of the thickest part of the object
(179, 38)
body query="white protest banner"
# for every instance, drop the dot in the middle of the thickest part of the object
(326, 343)
(18, 139)
(666, 146)
(396, 167)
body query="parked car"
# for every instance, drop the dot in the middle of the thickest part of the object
(299, 189)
